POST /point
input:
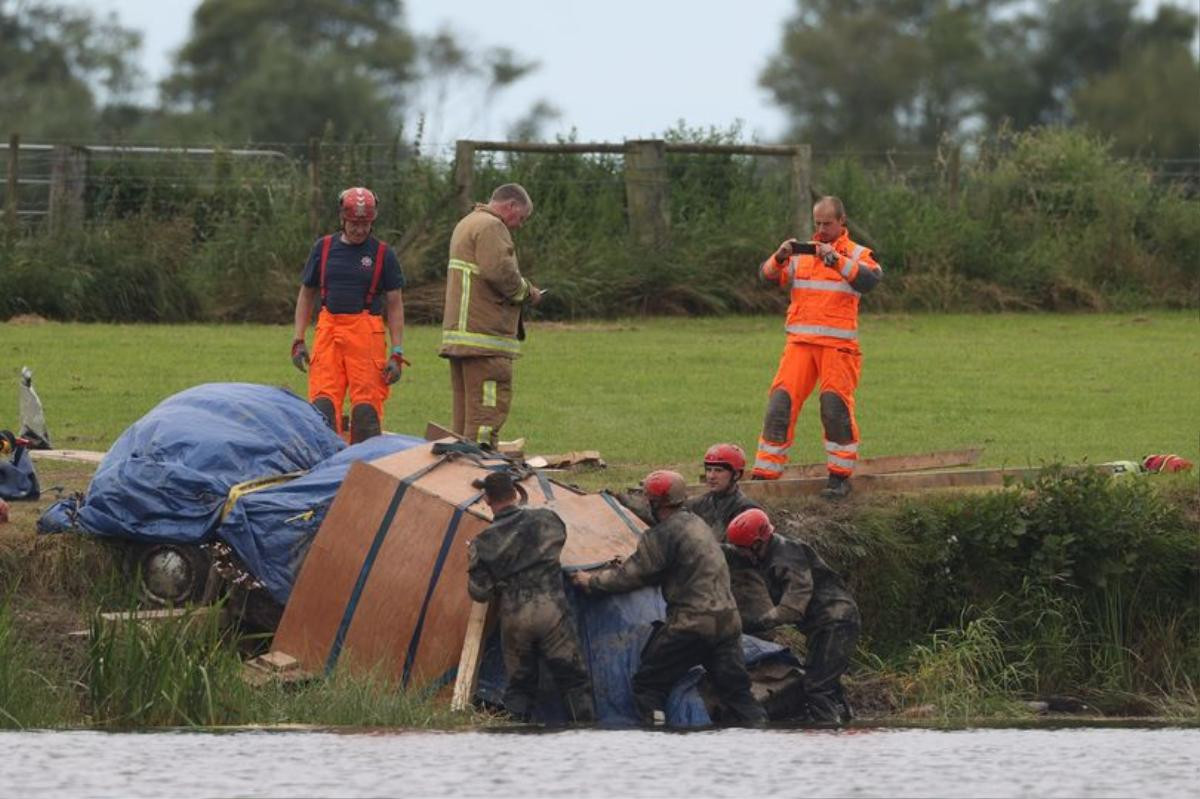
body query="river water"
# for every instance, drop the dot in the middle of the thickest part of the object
(1077, 762)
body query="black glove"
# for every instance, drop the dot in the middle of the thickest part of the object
(300, 357)
(395, 365)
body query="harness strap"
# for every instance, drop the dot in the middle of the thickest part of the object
(326, 243)
(375, 277)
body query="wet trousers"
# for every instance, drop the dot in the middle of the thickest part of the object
(482, 392)
(349, 355)
(670, 653)
(801, 367)
(537, 632)
(829, 649)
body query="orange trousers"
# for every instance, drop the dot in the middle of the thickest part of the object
(349, 354)
(801, 367)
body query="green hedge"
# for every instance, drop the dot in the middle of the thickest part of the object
(1042, 220)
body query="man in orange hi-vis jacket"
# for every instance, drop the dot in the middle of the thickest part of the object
(356, 281)
(825, 277)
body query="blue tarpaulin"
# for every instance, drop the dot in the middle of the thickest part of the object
(168, 475)
(612, 631)
(18, 480)
(271, 529)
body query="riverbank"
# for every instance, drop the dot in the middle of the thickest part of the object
(1069, 598)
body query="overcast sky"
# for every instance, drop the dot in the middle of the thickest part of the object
(616, 70)
(621, 69)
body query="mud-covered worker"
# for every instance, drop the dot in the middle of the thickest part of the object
(482, 326)
(517, 560)
(779, 580)
(680, 554)
(822, 345)
(724, 465)
(357, 281)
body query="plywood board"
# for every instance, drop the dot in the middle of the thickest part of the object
(384, 583)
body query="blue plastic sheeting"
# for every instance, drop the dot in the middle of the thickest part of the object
(167, 477)
(18, 480)
(271, 529)
(612, 630)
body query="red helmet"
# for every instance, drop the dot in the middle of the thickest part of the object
(748, 528)
(664, 487)
(731, 456)
(358, 204)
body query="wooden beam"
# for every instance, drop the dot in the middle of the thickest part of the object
(890, 464)
(472, 656)
(900, 482)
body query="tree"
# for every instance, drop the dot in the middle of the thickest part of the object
(872, 75)
(280, 70)
(54, 60)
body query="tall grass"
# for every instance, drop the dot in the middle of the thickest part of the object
(1046, 219)
(30, 695)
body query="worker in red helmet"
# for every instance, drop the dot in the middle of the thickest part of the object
(825, 279)
(724, 465)
(702, 627)
(778, 580)
(356, 281)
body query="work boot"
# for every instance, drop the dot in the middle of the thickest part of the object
(837, 487)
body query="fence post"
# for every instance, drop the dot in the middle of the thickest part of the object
(646, 191)
(314, 186)
(11, 205)
(464, 175)
(68, 177)
(802, 191)
(952, 170)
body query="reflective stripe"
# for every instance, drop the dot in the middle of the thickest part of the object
(465, 266)
(833, 446)
(824, 285)
(845, 463)
(767, 466)
(848, 269)
(480, 340)
(822, 330)
(520, 296)
(489, 393)
(485, 433)
(791, 269)
(771, 449)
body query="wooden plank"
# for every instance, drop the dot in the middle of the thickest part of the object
(472, 656)
(900, 482)
(889, 464)
(77, 455)
(435, 432)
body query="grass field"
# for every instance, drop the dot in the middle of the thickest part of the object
(649, 392)
(656, 392)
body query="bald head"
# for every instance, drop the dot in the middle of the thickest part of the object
(829, 219)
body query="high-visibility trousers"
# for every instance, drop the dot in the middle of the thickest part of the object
(482, 391)
(801, 367)
(349, 355)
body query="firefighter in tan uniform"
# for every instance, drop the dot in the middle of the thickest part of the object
(485, 297)
(517, 559)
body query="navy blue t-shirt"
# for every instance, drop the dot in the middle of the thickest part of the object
(348, 274)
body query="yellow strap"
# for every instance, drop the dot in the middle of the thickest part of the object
(257, 484)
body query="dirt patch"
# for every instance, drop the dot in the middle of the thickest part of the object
(27, 319)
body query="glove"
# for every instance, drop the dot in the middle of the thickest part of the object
(831, 258)
(300, 357)
(395, 365)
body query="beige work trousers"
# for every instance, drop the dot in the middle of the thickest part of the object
(482, 390)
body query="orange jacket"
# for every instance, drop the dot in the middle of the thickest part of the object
(824, 306)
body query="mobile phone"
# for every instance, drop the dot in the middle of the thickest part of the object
(803, 248)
